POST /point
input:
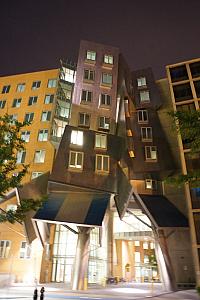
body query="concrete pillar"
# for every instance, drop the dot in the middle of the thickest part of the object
(81, 259)
(110, 244)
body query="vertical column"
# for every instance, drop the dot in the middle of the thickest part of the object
(110, 244)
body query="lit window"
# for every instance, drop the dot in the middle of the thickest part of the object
(137, 243)
(84, 119)
(49, 99)
(141, 81)
(89, 75)
(39, 156)
(131, 153)
(142, 116)
(150, 184)
(16, 102)
(52, 83)
(32, 100)
(137, 257)
(29, 117)
(144, 96)
(107, 78)
(77, 137)
(129, 132)
(146, 259)
(152, 245)
(100, 141)
(4, 248)
(46, 116)
(146, 133)
(76, 160)
(21, 155)
(86, 96)
(36, 174)
(5, 89)
(104, 123)
(145, 245)
(25, 250)
(68, 74)
(91, 55)
(108, 59)
(43, 135)
(105, 99)
(36, 85)
(102, 163)
(21, 87)
(151, 152)
(2, 103)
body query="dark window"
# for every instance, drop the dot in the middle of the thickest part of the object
(86, 96)
(29, 117)
(142, 116)
(5, 89)
(192, 161)
(84, 119)
(197, 226)
(186, 107)
(32, 100)
(105, 99)
(89, 75)
(107, 78)
(49, 99)
(36, 85)
(2, 104)
(16, 102)
(179, 73)
(195, 69)
(104, 123)
(182, 92)
(197, 88)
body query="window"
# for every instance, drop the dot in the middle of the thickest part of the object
(89, 75)
(142, 116)
(108, 59)
(146, 133)
(25, 250)
(2, 103)
(21, 87)
(25, 136)
(107, 78)
(52, 83)
(102, 163)
(36, 174)
(137, 243)
(43, 135)
(144, 96)
(76, 160)
(86, 96)
(151, 152)
(91, 55)
(146, 259)
(84, 119)
(46, 116)
(36, 85)
(141, 81)
(104, 123)
(150, 184)
(49, 99)
(100, 141)
(32, 100)
(105, 99)
(5, 89)
(137, 257)
(145, 245)
(77, 137)
(21, 155)
(29, 117)
(17, 102)
(39, 156)
(13, 118)
(4, 248)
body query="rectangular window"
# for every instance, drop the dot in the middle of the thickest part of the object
(107, 78)
(20, 87)
(25, 136)
(144, 96)
(43, 135)
(13, 118)
(21, 155)
(102, 163)
(141, 81)
(151, 152)
(29, 117)
(150, 184)
(46, 116)
(146, 133)
(91, 55)
(105, 99)
(5, 89)
(137, 243)
(100, 141)
(17, 102)
(104, 123)
(145, 245)
(142, 116)
(32, 100)
(89, 75)
(84, 119)
(39, 156)
(137, 257)
(77, 137)
(86, 96)
(4, 248)
(25, 250)
(36, 85)
(76, 160)
(2, 104)
(49, 99)
(108, 59)
(36, 174)
(52, 83)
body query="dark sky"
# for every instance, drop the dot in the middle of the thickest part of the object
(36, 34)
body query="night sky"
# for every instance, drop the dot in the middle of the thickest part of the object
(36, 34)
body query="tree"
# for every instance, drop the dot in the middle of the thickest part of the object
(10, 174)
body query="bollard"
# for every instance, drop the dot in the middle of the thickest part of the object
(42, 293)
(35, 294)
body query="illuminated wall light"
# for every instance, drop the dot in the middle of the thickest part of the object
(129, 132)
(131, 153)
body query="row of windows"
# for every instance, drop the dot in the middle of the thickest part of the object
(5, 246)
(42, 135)
(35, 85)
(106, 78)
(45, 116)
(84, 120)
(102, 162)
(87, 96)
(32, 100)
(107, 58)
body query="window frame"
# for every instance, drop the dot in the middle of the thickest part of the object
(4, 253)
(141, 81)
(74, 139)
(153, 184)
(21, 87)
(32, 100)
(35, 172)
(21, 157)
(89, 55)
(147, 137)
(149, 149)
(88, 96)
(2, 104)
(26, 133)
(30, 117)
(6, 89)
(43, 133)
(108, 56)
(144, 92)
(85, 115)
(101, 135)
(142, 112)
(25, 250)
(50, 98)
(40, 161)
(107, 99)
(75, 166)
(36, 85)
(52, 83)
(48, 116)
(17, 102)
(104, 127)
(107, 83)
(102, 157)
(90, 76)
